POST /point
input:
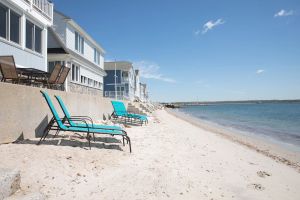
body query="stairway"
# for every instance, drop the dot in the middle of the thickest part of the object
(135, 109)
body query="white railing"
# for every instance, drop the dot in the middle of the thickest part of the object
(43, 6)
(121, 95)
(125, 80)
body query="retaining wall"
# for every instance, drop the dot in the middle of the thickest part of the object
(24, 112)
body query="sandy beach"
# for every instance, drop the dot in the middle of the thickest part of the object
(171, 159)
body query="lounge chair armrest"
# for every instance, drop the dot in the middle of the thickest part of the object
(84, 117)
(81, 120)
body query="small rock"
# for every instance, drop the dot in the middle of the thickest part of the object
(263, 174)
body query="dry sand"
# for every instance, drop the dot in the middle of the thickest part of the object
(171, 159)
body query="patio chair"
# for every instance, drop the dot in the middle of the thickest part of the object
(120, 111)
(63, 76)
(53, 78)
(56, 123)
(69, 118)
(9, 71)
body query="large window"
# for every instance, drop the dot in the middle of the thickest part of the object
(33, 37)
(38, 39)
(96, 56)
(14, 27)
(75, 73)
(83, 79)
(9, 24)
(79, 43)
(3, 21)
(29, 34)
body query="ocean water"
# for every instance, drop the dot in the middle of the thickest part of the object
(279, 122)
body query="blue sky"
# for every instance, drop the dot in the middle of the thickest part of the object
(200, 50)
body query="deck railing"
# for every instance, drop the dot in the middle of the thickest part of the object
(120, 95)
(43, 6)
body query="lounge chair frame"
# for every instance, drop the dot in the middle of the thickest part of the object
(69, 118)
(128, 117)
(56, 124)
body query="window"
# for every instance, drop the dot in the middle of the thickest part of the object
(9, 24)
(101, 85)
(38, 40)
(29, 34)
(14, 27)
(75, 73)
(95, 83)
(83, 79)
(3, 21)
(79, 43)
(96, 56)
(33, 37)
(51, 65)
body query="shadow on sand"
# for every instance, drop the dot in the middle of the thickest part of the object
(77, 140)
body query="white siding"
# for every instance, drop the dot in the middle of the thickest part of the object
(70, 38)
(23, 58)
(89, 51)
(89, 74)
(88, 47)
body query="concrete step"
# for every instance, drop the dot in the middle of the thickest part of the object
(24, 196)
(9, 182)
(134, 109)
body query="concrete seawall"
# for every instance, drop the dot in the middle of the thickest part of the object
(24, 112)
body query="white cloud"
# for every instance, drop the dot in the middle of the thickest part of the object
(259, 71)
(284, 13)
(150, 70)
(211, 24)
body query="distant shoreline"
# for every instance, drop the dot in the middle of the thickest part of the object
(200, 103)
(264, 147)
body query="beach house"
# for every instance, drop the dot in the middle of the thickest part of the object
(120, 80)
(143, 92)
(70, 45)
(137, 85)
(23, 31)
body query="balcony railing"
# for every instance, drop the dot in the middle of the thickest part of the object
(121, 95)
(43, 6)
(124, 79)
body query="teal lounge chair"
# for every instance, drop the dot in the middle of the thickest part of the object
(60, 126)
(120, 111)
(68, 117)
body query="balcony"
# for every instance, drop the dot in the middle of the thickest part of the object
(124, 80)
(119, 95)
(43, 6)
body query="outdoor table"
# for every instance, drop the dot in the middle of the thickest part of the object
(32, 74)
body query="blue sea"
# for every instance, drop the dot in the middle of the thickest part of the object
(279, 122)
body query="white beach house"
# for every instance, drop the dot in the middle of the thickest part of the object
(23, 31)
(72, 46)
(137, 94)
(120, 80)
(143, 92)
